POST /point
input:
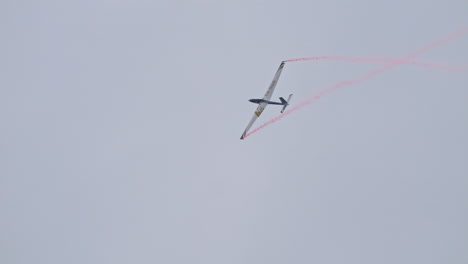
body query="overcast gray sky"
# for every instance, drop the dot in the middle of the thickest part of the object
(120, 124)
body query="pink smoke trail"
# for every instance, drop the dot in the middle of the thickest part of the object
(383, 60)
(391, 64)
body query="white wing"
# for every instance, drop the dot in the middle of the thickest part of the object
(257, 113)
(271, 89)
(267, 96)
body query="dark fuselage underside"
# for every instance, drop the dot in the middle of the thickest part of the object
(259, 101)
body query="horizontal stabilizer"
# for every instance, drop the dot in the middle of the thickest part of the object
(286, 103)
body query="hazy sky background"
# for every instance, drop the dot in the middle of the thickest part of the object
(120, 125)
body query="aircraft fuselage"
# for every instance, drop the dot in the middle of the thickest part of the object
(259, 101)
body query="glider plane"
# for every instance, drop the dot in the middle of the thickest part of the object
(262, 103)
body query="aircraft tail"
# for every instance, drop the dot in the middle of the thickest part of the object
(286, 103)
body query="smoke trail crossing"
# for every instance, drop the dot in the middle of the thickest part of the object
(389, 64)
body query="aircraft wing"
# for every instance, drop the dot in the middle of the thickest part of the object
(271, 89)
(257, 113)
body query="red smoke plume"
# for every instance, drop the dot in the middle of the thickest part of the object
(389, 63)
